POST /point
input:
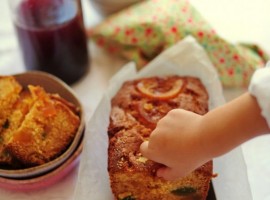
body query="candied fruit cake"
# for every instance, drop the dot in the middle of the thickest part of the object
(9, 93)
(35, 126)
(135, 110)
(46, 131)
(14, 120)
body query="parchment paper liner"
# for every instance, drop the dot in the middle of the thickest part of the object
(186, 58)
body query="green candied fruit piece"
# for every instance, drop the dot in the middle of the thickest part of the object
(128, 198)
(6, 124)
(184, 191)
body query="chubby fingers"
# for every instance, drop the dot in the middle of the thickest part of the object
(164, 172)
(169, 174)
(145, 150)
(150, 153)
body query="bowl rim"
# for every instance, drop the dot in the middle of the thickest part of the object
(47, 179)
(41, 78)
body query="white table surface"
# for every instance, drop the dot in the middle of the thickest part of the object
(236, 21)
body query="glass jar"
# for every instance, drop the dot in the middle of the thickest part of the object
(52, 37)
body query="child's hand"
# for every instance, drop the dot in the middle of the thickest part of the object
(176, 143)
(183, 140)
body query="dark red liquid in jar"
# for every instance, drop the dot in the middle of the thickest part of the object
(52, 38)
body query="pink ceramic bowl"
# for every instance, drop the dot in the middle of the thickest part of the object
(44, 180)
(49, 172)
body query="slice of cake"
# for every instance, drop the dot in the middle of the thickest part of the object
(13, 122)
(136, 109)
(46, 131)
(35, 126)
(9, 93)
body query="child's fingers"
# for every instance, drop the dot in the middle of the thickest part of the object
(168, 173)
(144, 149)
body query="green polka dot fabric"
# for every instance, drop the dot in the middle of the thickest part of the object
(140, 32)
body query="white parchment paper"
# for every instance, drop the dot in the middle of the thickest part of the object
(185, 58)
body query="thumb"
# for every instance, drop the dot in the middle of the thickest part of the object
(144, 149)
(168, 173)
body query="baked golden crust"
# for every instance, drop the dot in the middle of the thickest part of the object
(36, 126)
(136, 108)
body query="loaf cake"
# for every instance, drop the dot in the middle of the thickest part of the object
(135, 110)
(37, 128)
